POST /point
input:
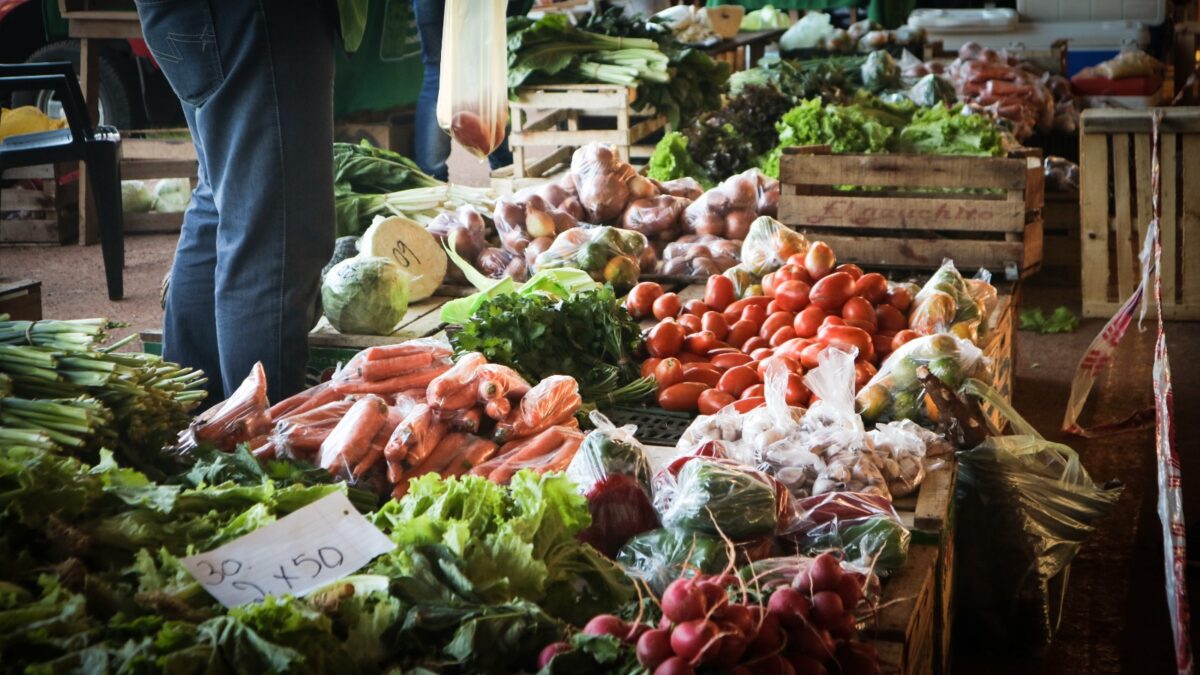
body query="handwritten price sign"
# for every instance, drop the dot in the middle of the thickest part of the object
(298, 553)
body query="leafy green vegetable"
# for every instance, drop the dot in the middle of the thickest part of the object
(365, 295)
(949, 131)
(671, 160)
(362, 176)
(661, 556)
(1061, 320)
(595, 655)
(717, 498)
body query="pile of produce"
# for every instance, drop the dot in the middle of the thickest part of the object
(675, 80)
(815, 31)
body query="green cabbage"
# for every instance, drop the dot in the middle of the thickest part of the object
(172, 195)
(365, 296)
(136, 197)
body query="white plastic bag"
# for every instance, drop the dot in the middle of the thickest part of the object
(473, 98)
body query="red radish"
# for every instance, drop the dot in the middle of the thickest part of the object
(695, 640)
(856, 658)
(825, 572)
(774, 665)
(813, 641)
(789, 604)
(715, 597)
(827, 609)
(851, 591)
(550, 651)
(807, 665)
(731, 646)
(770, 636)
(675, 666)
(803, 581)
(654, 647)
(682, 601)
(606, 624)
(636, 631)
(739, 617)
(845, 629)
(664, 623)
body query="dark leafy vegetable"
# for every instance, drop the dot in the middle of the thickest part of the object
(362, 176)
(1061, 320)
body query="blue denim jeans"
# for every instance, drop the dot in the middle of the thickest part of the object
(255, 78)
(432, 145)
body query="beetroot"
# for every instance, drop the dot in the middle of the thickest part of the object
(675, 666)
(620, 509)
(769, 637)
(828, 610)
(550, 651)
(825, 573)
(606, 624)
(739, 617)
(654, 647)
(636, 630)
(694, 640)
(850, 588)
(731, 645)
(790, 605)
(683, 601)
(813, 641)
(715, 597)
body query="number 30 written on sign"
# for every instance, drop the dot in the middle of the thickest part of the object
(323, 558)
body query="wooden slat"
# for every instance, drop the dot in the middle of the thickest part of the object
(932, 511)
(906, 591)
(922, 253)
(1175, 121)
(575, 138)
(1093, 215)
(1035, 183)
(1190, 222)
(917, 214)
(31, 232)
(146, 169)
(548, 122)
(1122, 220)
(579, 100)
(25, 200)
(153, 222)
(28, 172)
(145, 148)
(903, 171)
(1170, 217)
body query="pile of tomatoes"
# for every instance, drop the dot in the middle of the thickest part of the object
(707, 354)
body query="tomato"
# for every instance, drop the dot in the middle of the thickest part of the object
(872, 286)
(902, 337)
(649, 365)
(797, 394)
(756, 314)
(789, 364)
(773, 307)
(762, 353)
(754, 343)
(666, 306)
(734, 311)
(899, 297)
(719, 292)
(889, 318)
(782, 335)
(727, 361)
(688, 357)
(745, 405)
(808, 357)
(715, 323)
(769, 283)
(736, 380)
(809, 321)
(793, 347)
(691, 323)
(820, 260)
(701, 372)
(791, 272)
(774, 322)
(793, 295)
(700, 343)
(863, 372)
(868, 326)
(741, 331)
(796, 259)
(851, 269)
(848, 338)
(668, 372)
(696, 307)
(859, 309)
(831, 320)
(754, 391)
(883, 344)
(665, 339)
(682, 397)
(640, 301)
(831, 292)
(712, 400)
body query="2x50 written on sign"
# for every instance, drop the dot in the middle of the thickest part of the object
(325, 557)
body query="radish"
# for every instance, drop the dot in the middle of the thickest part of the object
(739, 617)
(731, 645)
(844, 630)
(694, 640)
(774, 665)
(789, 604)
(803, 581)
(550, 651)
(856, 658)
(770, 636)
(636, 630)
(806, 665)
(664, 622)
(675, 666)
(606, 624)
(827, 610)
(683, 601)
(813, 641)
(654, 647)
(851, 591)
(715, 596)
(825, 572)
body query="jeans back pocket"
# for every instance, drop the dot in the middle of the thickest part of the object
(183, 39)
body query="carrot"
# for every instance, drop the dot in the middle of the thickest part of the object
(475, 453)
(375, 453)
(441, 455)
(334, 410)
(498, 408)
(395, 472)
(373, 371)
(535, 447)
(561, 458)
(414, 425)
(290, 405)
(454, 379)
(467, 420)
(496, 380)
(351, 438)
(418, 452)
(400, 490)
(552, 401)
(383, 352)
(416, 378)
(304, 439)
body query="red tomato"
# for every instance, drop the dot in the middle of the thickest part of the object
(797, 394)
(848, 338)
(745, 405)
(793, 347)
(796, 259)
(727, 361)
(755, 313)
(719, 292)
(700, 343)
(774, 322)
(668, 372)
(738, 379)
(902, 337)
(762, 353)
(696, 307)
(688, 357)
(863, 372)
(793, 295)
(769, 282)
(711, 401)
(754, 343)
(785, 333)
(649, 365)
(754, 391)
(701, 372)
(889, 318)
(773, 307)
(665, 339)
(868, 326)
(640, 301)
(872, 286)
(734, 311)
(792, 272)
(851, 269)
(808, 357)
(831, 292)
(831, 320)
(715, 323)
(820, 260)
(859, 309)
(666, 306)
(808, 322)
(883, 344)
(899, 297)
(739, 332)
(691, 323)
(789, 364)
(682, 397)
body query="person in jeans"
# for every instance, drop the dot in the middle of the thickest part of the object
(431, 145)
(256, 83)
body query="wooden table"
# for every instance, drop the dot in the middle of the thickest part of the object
(744, 50)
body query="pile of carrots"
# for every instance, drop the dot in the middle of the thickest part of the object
(400, 411)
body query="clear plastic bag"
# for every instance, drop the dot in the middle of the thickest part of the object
(945, 305)
(528, 216)
(550, 449)
(553, 401)
(721, 497)
(895, 393)
(700, 255)
(864, 526)
(613, 473)
(464, 231)
(900, 447)
(768, 244)
(472, 104)
(390, 369)
(1062, 175)
(605, 183)
(655, 217)
(351, 438)
(607, 254)
(687, 187)
(237, 419)
(771, 573)
(663, 555)
(499, 263)
(300, 436)
(728, 209)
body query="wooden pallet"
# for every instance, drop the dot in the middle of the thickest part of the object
(1115, 208)
(35, 209)
(896, 221)
(546, 129)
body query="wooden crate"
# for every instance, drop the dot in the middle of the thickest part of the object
(1115, 209)
(999, 346)
(896, 221)
(21, 299)
(546, 124)
(152, 155)
(35, 208)
(1060, 234)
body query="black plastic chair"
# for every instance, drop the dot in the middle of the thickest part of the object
(97, 146)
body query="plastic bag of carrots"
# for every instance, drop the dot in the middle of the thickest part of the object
(391, 369)
(241, 418)
(550, 450)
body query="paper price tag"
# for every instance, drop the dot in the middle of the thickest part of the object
(298, 553)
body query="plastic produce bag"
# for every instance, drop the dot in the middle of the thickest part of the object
(550, 449)
(472, 104)
(771, 573)
(807, 32)
(365, 296)
(655, 217)
(300, 436)
(932, 89)
(700, 255)
(1025, 508)
(902, 447)
(945, 304)
(721, 497)
(687, 187)
(613, 473)
(768, 245)
(607, 254)
(880, 71)
(1062, 175)
(533, 216)
(463, 230)
(895, 393)
(864, 526)
(238, 419)
(605, 183)
(728, 209)
(661, 556)
(499, 263)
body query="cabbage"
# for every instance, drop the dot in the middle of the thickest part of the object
(807, 32)
(135, 197)
(173, 195)
(767, 18)
(365, 295)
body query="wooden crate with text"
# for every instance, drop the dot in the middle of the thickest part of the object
(39, 204)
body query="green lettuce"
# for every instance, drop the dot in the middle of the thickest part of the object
(671, 161)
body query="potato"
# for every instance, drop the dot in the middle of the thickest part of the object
(737, 223)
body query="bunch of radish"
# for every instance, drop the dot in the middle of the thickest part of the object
(706, 354)
(805, 628)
